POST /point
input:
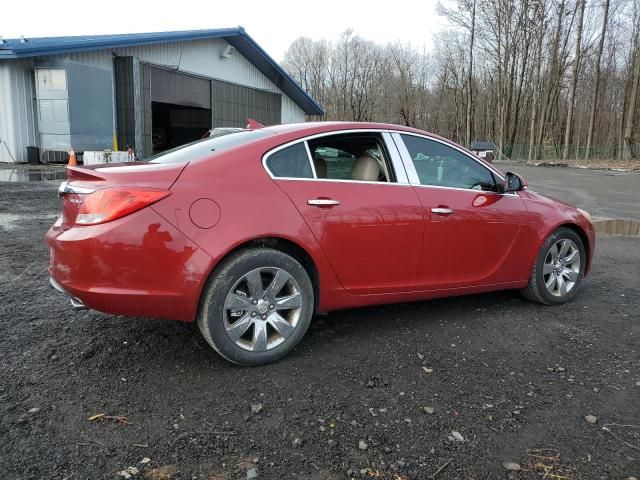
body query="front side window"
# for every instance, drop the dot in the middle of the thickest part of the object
(290, 162)
(440, 165)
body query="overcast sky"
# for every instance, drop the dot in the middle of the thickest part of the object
(273, 24)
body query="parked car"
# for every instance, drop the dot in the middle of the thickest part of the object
(221, 132)
(251, 124)
(251, 233)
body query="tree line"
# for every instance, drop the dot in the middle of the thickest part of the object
(540, 78)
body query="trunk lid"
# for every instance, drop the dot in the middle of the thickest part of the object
(84, 180)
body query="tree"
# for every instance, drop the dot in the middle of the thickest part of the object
(596, 80)
(469, 115)
(574, 81)
(531, 75)
(631, 110)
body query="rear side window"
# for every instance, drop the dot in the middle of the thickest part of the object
(291, 162)
(337, 163)
(356, 157)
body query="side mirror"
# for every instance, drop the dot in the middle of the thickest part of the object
(513, 183)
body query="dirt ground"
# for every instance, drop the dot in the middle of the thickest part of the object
(369, 393)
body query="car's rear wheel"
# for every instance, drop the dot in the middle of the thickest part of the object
(559, 269)
(257, 306)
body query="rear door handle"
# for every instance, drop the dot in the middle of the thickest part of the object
(442, 211)
(322, 202)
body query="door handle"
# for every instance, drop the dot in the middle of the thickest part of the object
(322, 202)
(442, 211)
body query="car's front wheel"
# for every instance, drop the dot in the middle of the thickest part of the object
(257, 306)
(559, 269)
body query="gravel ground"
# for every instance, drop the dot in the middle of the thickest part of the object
(370, 393)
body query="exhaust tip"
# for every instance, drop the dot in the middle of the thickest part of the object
(76, 303)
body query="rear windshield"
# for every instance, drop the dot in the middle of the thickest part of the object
(203, 148)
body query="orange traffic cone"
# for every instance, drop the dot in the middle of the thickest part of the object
(72, 159)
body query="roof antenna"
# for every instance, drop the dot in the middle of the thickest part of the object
(22, 39)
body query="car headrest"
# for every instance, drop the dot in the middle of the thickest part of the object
(321, 167)
(366, 169)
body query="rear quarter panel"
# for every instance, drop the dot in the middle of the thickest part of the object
(250, 206)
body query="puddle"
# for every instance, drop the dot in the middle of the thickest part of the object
(26, 175)
(616, 226)
(8, 221)
(11, 221)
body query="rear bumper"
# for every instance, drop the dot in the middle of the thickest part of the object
(138, 265)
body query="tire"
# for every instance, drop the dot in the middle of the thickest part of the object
(256, 307)
(550, 271)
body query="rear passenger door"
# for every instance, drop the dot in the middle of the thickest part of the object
(369, 227)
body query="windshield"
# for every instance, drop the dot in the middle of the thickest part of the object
(202, 148)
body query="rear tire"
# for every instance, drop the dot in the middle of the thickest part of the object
(256, 307)
(559, 269)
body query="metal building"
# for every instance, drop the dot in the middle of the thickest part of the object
(152, 91)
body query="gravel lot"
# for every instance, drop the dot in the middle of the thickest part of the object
(370, 393)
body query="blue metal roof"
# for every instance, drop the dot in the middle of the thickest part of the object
(237, 37)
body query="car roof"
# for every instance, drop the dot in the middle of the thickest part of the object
(309, 128)
(290, 131)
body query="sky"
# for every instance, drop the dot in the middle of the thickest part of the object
(273, 24)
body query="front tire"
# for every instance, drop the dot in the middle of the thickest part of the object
(559, 269)
(257, 306)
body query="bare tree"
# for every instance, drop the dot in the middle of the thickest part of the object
(469, 116)
(574, 81)
(596, 79)
(631, 110)
(531, 75)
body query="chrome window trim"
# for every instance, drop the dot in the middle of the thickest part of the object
(413, 174)
(306, 139)
(510, 194)
(313, 163)
(336, 180)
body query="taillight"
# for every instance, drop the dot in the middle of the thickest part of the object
(108, 204)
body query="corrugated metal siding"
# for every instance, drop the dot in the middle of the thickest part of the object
(7, 148)
(232, 104)
(291, 112)
(18, 121)
(188, 57)
(18, 124)
(125, 104)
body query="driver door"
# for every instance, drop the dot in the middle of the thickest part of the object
(471, 231)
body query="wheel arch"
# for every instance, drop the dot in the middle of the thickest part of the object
(282, 244)
(586, 242)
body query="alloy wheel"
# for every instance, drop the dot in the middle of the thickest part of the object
(561, 268)
(262, 309)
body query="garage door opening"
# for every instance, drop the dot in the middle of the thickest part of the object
(160, 108)
(174, 125)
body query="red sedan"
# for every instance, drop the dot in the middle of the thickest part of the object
(251, 233)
